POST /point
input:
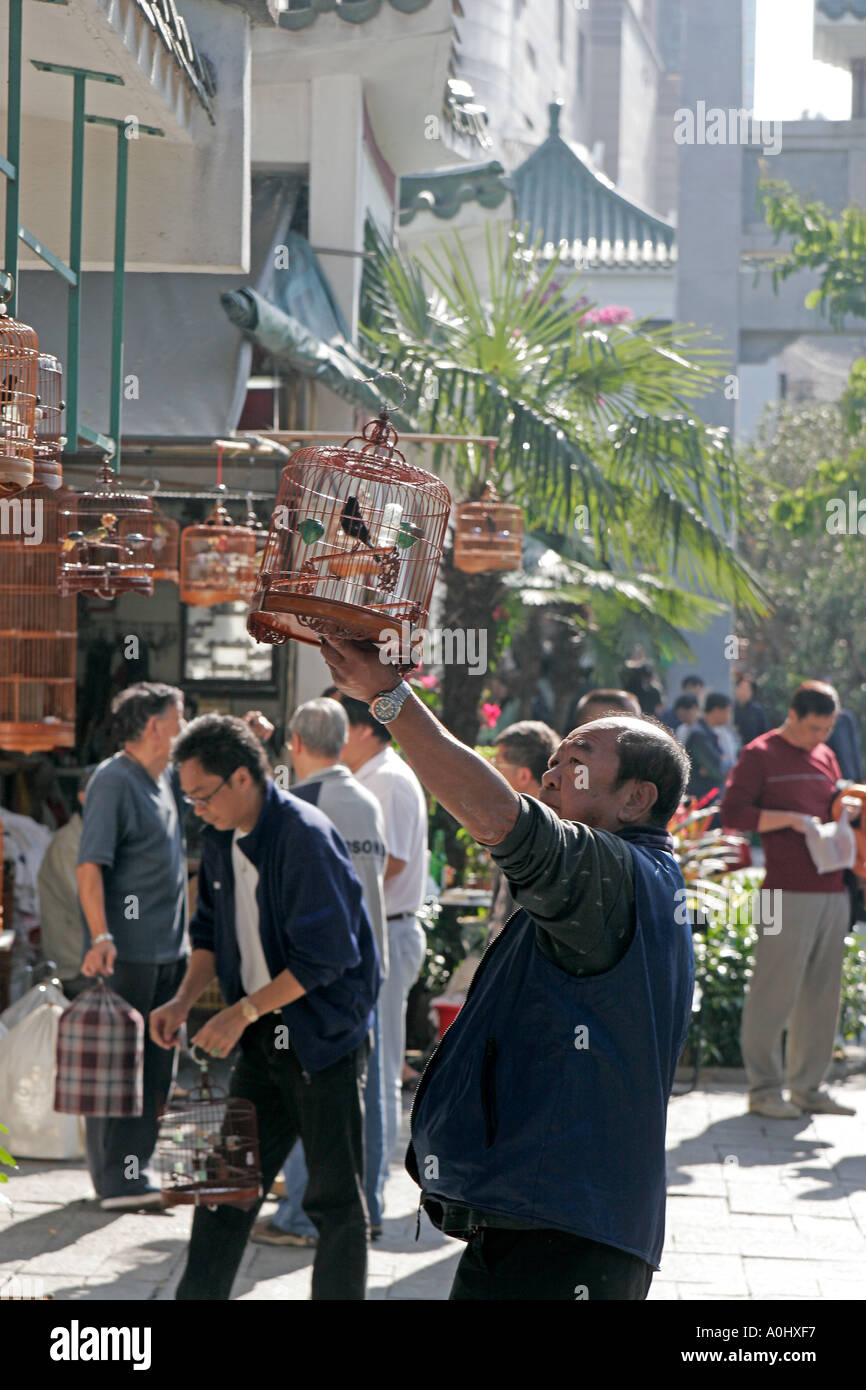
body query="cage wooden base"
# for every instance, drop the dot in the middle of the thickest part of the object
(38, 737)
(480, 556)
(111, 579)
(15, 474)
(306, 618)
(207, 1195)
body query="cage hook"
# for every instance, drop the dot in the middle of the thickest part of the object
(385, 412)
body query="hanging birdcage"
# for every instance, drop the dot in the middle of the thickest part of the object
(19, 351)
(354, 545)
(165, 539)
(106, 541)
(258, 530)
(207, 1152)
(488, 534)
(38, 628)
(48, 448)
(217, 560)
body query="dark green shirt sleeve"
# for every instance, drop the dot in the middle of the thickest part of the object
(577, 885)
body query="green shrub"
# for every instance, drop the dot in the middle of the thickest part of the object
(724, 960)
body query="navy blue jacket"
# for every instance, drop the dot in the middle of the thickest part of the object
(312, 921)
(546, 1100)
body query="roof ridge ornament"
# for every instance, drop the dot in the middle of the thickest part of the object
(554, 111)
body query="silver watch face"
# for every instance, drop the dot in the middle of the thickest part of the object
(385, 707)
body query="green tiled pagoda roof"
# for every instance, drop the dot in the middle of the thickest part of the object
(444, 191)
(564, 202)
(302, 13)
(837, 9)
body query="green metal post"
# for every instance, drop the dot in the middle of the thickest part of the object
(13, 149)
(73, 333)
(117, 298)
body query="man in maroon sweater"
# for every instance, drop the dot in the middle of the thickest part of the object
(782, 779)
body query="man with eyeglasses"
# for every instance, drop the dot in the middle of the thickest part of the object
(132, 886)
(281, 922)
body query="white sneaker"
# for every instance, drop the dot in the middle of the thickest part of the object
(774, 1108)
(820, 1103)
(136, 1201)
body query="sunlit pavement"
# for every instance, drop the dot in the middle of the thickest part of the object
(757, 1209)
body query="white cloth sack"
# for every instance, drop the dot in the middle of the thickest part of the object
(27, 1073)
(832, 846)
(45, 993)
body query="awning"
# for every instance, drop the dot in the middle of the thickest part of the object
(294, 317)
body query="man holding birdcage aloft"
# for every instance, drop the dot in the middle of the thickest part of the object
(281, 922)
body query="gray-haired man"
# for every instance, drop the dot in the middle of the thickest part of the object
(318, 734)
(132, 885)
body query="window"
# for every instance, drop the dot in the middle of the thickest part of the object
(218, 649)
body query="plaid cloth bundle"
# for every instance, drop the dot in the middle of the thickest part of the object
(100, 1056)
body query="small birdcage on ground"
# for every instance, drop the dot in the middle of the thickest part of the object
(207, 1153)
(165, 538)
(38, 628)
(217, 560)
(488, 534)
(354, 545)
(48, 448)
(106, 541)
(19, 351)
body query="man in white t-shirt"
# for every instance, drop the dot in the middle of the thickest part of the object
(369, 755)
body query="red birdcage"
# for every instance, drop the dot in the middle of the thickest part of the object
(165, 539)
(48, 449)
(38, 627)
(354, 545)
(106, 541)
(259, 531)
(207, 1152)
(217, 560)
(488, 534)
(19, 351)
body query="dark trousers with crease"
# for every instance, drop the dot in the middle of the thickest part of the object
(326, 1111)
(113, 1142)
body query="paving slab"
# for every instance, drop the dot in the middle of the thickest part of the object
(783, 1218)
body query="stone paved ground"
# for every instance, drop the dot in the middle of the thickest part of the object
(757, 1209)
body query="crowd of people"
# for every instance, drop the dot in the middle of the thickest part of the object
(306, 913)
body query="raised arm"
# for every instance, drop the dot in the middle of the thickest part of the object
(467, 785)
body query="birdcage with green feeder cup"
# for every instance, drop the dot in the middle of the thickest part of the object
(354, 544)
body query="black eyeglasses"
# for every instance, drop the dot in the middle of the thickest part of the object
(203, 800)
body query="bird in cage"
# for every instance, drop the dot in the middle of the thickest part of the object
(354, 524)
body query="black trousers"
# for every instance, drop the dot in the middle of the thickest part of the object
(119, 1149)
(527, 1266)
(327, 1111)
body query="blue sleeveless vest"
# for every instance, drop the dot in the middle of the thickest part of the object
(546, 1100)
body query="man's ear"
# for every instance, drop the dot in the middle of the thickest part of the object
(639, 801)
(525, 779)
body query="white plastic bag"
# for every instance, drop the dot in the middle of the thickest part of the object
(27, 1073)
(46, 993)
(832, 846)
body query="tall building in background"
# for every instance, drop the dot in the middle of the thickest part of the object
(750, 20)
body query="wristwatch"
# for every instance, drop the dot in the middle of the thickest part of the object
(388, 703)
(249, 1010)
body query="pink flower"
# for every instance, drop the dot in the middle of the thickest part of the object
(429, 682)
(497, 614)
(491, 714)
(612, 314)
